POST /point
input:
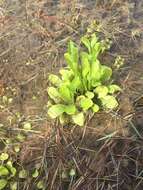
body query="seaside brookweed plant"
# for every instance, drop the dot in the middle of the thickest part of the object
(84, 85)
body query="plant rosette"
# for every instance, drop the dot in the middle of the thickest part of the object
(84, 85)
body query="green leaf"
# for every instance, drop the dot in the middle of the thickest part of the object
(89, 94)
(73, 50)
(78, 119)
(66, 74)
(23, 174)
(86, 103)
(102, 91)
(96, 50)
(5, 99)
(79, 98)
(113, 88)
(4, 156)
(65, 94)
(85, 66)
(40, 185)
(109, 102)
(11, 168)
(54, 79)
(69, 61)
(27, 126)
(86, 42)
(94, 40)
(72, 57)
(63, 119)
(106, 73)
(3, 183)
(54, 94)
(96, 83)
(72, 172)
(17, 148)
(95, 72)
(4, 171)
(13, 185)
(20, 137)
(56, 110)
(76, 84)
(70, 109)
(95, 108)
(35, 174)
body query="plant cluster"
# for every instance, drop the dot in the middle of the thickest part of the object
(84, 85)
(7, 172)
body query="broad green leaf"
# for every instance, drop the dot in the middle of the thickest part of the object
(69, 60)
(5, 99)
(27, 126)
(13, 185)
(4, 171)
(109, 102)
(86, 103)
(40, 185)
(78, 119)
(96, 83)
(85, 67)
(54, 94)
(70, 109)
(3, 183)
(113, 88)
(54, 79)
(49, 104)
(79, 98)
(95, 108)
(63, 119)
(23, 174)
(76, 84)
(89, 94)
(96, 50)
(95, 72)
(73, 50)
(85, 64)
(66, 74)
(66, 94)
(10, 100)
(4, 156)
(72, 172)
(9, 164)
(13, 171)
(106, 73)
(86, 42)
(20, 137)
(35, 174)
(56, 110)
(11, 168)
(72, 56)
(94, 40)
(17, 148)
(102, 91)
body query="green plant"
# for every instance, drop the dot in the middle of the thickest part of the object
(7, 172)
(84, 85)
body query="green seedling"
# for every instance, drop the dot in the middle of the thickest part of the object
(84, 85)
(7, 172)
